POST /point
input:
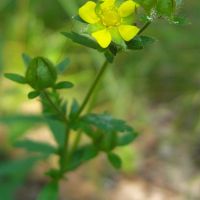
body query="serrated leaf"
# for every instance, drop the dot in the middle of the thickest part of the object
(105, 131)
(105, 122)
(27, 59)
(33, 94)
(115, 160)
(64, 85)
(140, 42)
(34, 146)
(82, 155)
(50, 192)
(82, 40)
(63, 65)
(16, 78)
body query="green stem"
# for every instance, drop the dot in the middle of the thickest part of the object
(85, 101)
(75, 143)
(92, 88)
(65, 152)
(144, 27)
(60, 113)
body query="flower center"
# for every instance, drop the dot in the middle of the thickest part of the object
(110, 17)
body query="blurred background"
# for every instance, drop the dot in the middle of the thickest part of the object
(156, 90)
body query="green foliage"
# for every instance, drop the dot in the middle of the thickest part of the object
(12, 175)
(140, 42)
(109, 56)
(147, 4)
(16, 78)
(180, 20)
(11, 167)
(82, 155)
(49, 192)
(27, 59)
(41, 73)
(165, 7)
(105, 131)
(64, 85)
(10, 119)
(37, 147)
(63, 66)
(74, 109)
(33, 94)
(82, 40)
(162, 7)
(19, 124)
(115, 160)
(58, 130)
(53, 106)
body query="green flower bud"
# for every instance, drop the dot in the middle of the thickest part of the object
(41, 73)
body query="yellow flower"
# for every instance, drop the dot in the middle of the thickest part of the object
(109, 21)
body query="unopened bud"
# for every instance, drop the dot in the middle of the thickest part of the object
(41, 73)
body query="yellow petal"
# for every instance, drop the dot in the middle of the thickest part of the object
(127, 8)
(103, 37)
(128, 31)
(87, 12)
(107, 4)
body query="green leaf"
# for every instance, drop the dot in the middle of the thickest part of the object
(74, 109)
(58, 130)
(109, 56)
(33, 94)
(82, 40)
(50, 192)
(20, 124)
(140, 42)
(115, 160)
(180, 20)
(10, 119)
(13, 174)
(127, 138)
(64, 85)
(82, 155)
(78, 18)
(27, 59)
(166, 7)
(63, 65)
(105, 131)
(16, 78)
(38, 147)
(105, 122)
(17, 166)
